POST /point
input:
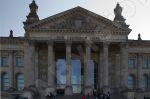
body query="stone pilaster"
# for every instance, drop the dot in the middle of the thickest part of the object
(36, 68)
(29, 69)
(68, 89)
(88, 83)
(139, 71)
(124, 65)
(11, 69)
(51, 66)
(105, 65)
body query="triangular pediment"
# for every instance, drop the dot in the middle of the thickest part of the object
(77, 19)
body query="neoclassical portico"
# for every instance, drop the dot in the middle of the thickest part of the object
(72, 53)
(48, 40)
(31, 65)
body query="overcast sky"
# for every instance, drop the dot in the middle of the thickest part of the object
(136, 12)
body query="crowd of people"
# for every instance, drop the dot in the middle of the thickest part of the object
(101, 95)
(51, 96)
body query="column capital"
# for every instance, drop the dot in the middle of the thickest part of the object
(11, 52)
(68, 42)
(50, 42)
(123, 45)
(31, 42)
(139, 54)
(106, 44)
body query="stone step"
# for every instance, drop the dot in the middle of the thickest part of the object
(79, 96)
(116, 96)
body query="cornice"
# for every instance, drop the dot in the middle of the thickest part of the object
(65, 31)
(14, 40)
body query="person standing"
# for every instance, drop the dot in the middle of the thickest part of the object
(83, 96)
(108, 96)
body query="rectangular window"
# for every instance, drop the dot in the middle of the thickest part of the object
(145, 65)
(131, 63)
(4, 61)
(19, 61)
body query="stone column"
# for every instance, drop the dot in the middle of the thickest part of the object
(139, 71)
(29, 60)
(124, 65)
(105, 65)
(100, 70)
(51, 66)
(11, 69)
(117, 69)
(87, 71)
(68, 89)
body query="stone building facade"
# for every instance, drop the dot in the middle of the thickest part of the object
(32, 62)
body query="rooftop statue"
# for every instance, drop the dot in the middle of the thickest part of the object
(118, 14)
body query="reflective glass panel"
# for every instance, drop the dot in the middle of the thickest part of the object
(76, 75)
(61, 73)
(92, 73)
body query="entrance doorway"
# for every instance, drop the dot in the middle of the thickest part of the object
(77, 74)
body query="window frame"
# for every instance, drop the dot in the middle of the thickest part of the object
(3, 82)
(17, 81)
(133, 82)
(17, 62)
(3, 61)
(134, 64)
(145, 81)
(145, 67)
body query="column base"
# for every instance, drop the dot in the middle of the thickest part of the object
(88, 90)
(106, 89)
(68, 90)
(49, 90)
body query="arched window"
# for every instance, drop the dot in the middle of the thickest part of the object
(131, 81)
(5, 81)
(144, 81)
(20, 81)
